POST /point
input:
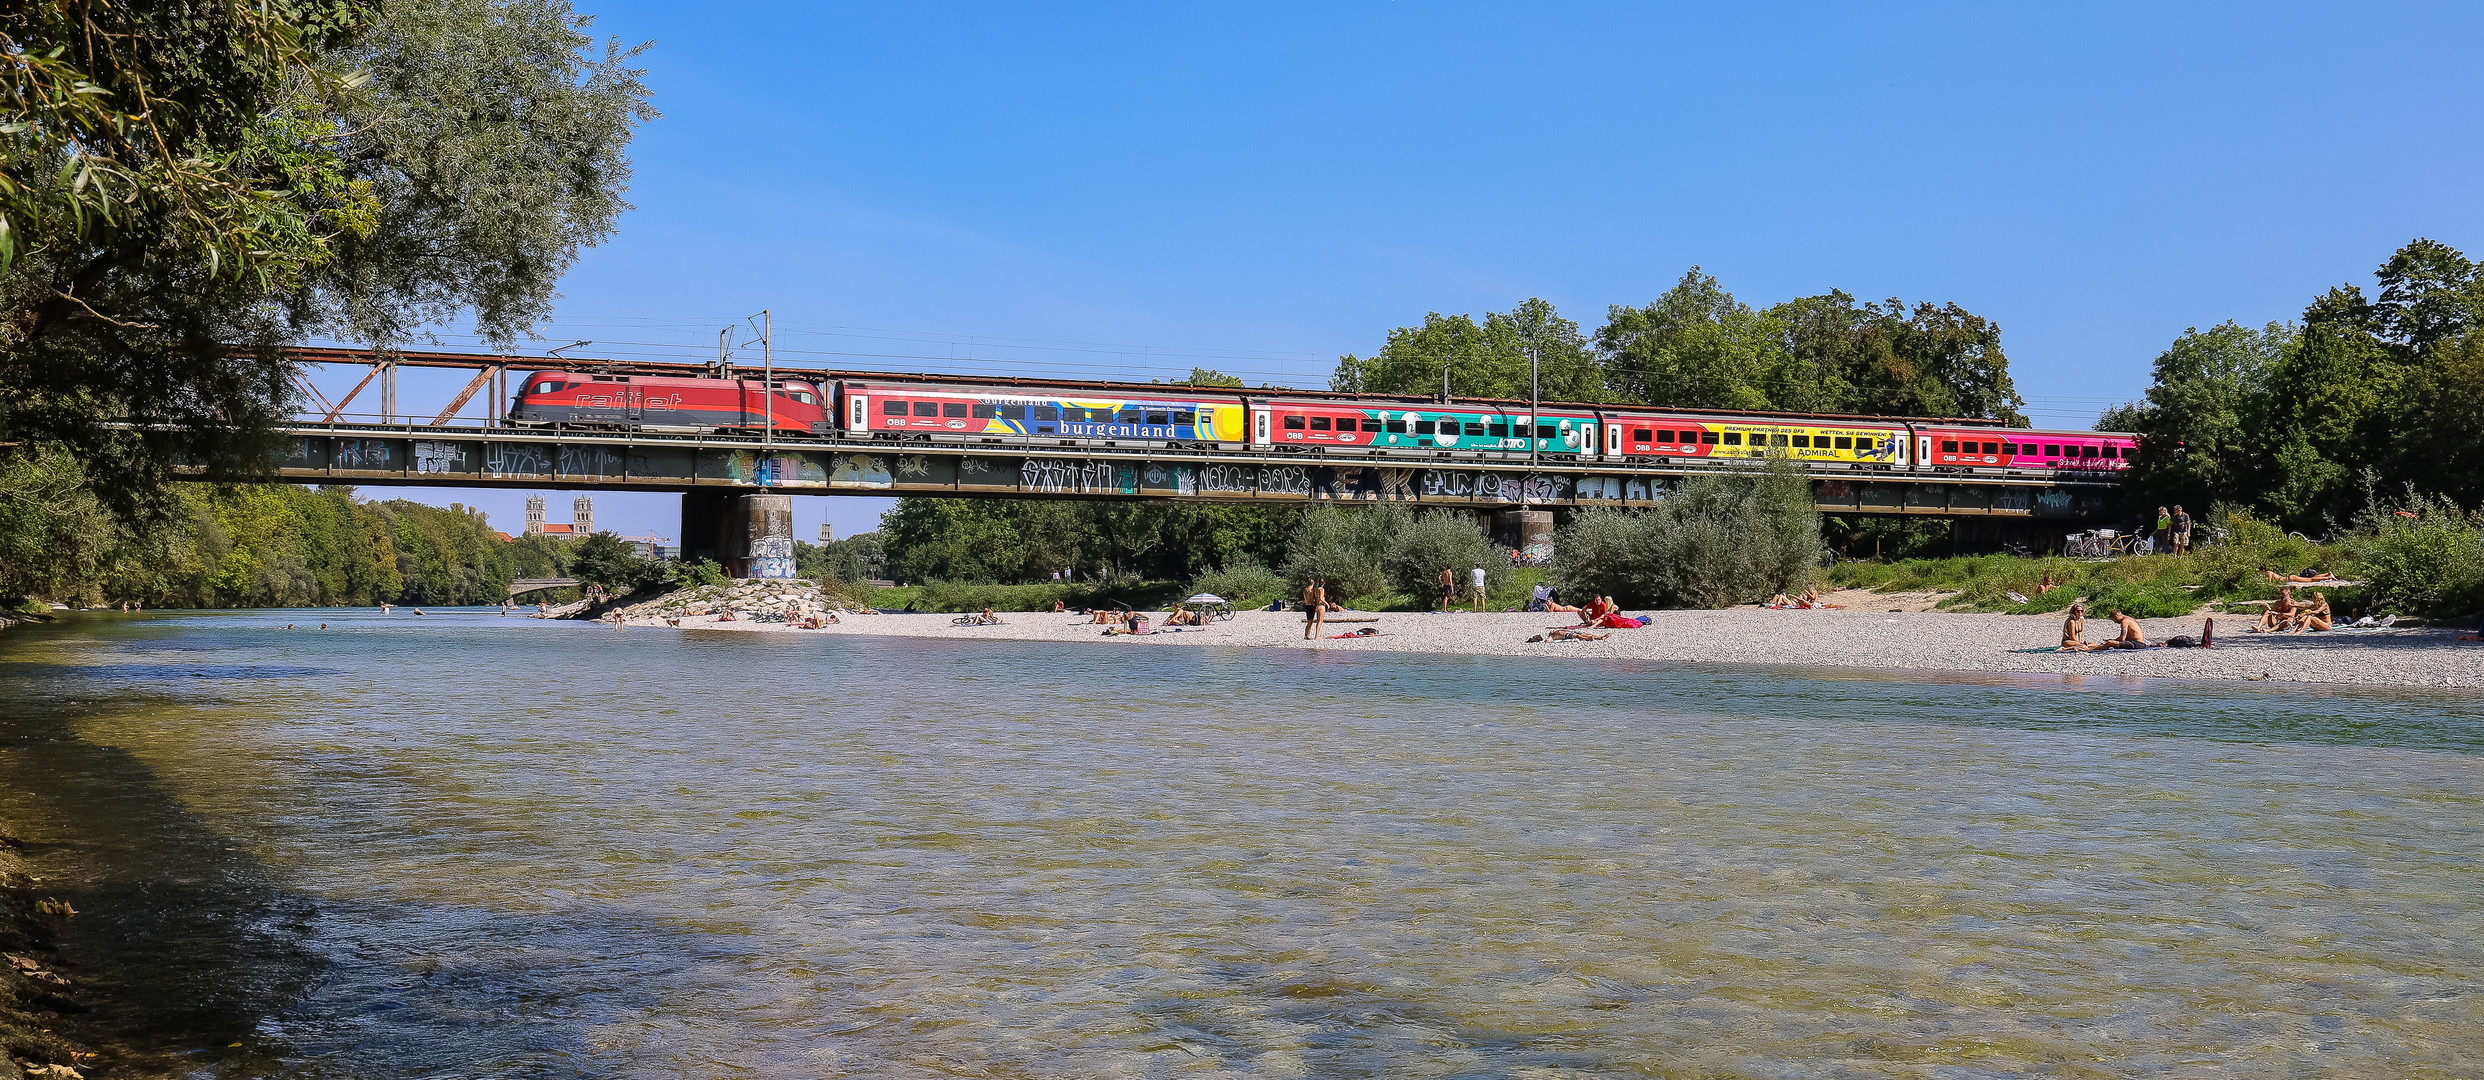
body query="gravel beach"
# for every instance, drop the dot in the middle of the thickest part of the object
(1850, 638)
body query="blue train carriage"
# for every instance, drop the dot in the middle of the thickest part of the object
(1860, 445)
(1325, 425)
(938, 413)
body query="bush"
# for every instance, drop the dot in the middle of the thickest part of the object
(2140, 600)
(1717, 540)
(1346, 547)
(2423, 558)
(1444, 538)
(1246, 584)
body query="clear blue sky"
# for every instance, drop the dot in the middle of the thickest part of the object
(1134, 189)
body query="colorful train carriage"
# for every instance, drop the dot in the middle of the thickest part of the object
(936, 413)
(663, 403)
(1661, 436)
(2023, 448)
(1277, 422)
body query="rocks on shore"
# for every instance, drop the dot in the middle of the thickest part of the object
(745, 601)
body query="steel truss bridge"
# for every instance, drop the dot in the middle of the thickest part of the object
(392, 447)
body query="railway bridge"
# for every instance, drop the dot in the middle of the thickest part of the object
(736, 488)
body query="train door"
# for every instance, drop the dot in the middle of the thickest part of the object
(1923, 449)
(1613, 444)
(1259, 427)
(857, 414)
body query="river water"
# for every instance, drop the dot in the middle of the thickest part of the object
(458, 845)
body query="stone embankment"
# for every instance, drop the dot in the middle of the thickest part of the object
(34, 995)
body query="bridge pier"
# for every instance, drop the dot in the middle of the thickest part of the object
(750, 534)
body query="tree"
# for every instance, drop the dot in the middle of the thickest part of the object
(2200, 423)
(606, 559)
(1489, 360)
(238, 175)
(1695, 347)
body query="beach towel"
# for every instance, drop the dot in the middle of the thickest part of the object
(1620, 622)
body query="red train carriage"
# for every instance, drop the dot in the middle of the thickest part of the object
(663, 403)
(2023, 448)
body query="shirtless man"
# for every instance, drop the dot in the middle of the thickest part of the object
(1314, 609)
(2280, 613)
(2132, 637)
(1448, 588)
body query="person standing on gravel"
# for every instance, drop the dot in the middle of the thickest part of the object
(2181, 531)
(1448, 589)
(1478, 578)
(1314, 609)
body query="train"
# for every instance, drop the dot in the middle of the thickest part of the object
(917, 410)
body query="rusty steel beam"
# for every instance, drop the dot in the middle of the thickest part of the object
(348, 399)
(466, 395)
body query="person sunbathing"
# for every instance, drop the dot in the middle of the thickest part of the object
(1101, 617)
(2309, 575)
(1058, 608)
(2280, 613)
(987, 618)
(2315, 617)
(2047, 583)
(1556, 605)
(1569, 635)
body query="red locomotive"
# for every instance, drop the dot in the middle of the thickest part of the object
(661, 403)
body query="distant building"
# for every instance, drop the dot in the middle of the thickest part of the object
(582, 511)
(827, 533)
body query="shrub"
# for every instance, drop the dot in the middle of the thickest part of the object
(1246, 584)
(2140, 600)
(1346, 547)
(1444, 538)
(2423, 558)
(1717, 540)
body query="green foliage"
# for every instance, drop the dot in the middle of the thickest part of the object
(1698, 347)
(186, 189)
(1245, 584)
(1006, 541)
(2422, 557)
(1347, 547)
(1715, 541)
(2141, 600)
(606, 559)
(2289, 421)
(855, 559)
(1445, 539)
(1488, 361)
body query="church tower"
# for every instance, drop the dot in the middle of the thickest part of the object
(534, 515)
(583, 512)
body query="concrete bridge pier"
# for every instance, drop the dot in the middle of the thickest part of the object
(750, 534)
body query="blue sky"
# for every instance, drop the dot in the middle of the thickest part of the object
(1128, 190)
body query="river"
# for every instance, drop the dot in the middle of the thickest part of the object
(460, 845)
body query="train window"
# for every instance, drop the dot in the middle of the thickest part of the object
(986, 412)
(1132, 417)
(1733, 438)
(2009, 448)
(1803, 441)
(927, 408)
(1159, 419)
(1497, 431)
(1013, 412)
(954, 410)
(1547, 431)
(1992, 448)
(1644, 435)
(1949, 446)
(2051, 450)
(1185, 418)
(1345, 423)
(1397, 427)
(1474, 429)
(2087, 451)
(1047, 412)
(802, 396)
(546, 387)
(893, 408)
(1845, 442)
(1293, 423)
(1776, 440)
(1319, 423)
(1423, 427)
(1708, 437)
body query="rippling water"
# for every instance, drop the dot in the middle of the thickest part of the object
(464, 846)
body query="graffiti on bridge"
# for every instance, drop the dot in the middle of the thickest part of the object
(1061, 476)
(502, 460)
(439, 458)
(365, 454)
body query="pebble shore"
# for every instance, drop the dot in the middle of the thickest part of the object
(1851, 638)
